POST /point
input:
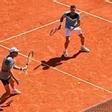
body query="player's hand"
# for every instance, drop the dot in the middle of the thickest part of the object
(25, 68)
(72, 28)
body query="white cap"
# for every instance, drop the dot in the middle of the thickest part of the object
(13, 49)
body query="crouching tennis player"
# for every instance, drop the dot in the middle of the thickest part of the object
(72, 22)
(6, 75)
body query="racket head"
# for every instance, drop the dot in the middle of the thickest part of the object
(53, 31)
(29, 57)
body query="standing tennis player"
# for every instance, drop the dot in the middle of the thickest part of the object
(72, 22)
(6, 75)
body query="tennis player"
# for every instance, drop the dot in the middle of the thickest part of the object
(6, 75)
(72, 22)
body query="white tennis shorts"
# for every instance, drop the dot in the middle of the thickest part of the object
(77, 31)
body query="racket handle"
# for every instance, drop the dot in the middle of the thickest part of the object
(25, 71)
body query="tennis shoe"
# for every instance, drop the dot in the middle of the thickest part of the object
(15, 92)
(84, 49)
(65, 54)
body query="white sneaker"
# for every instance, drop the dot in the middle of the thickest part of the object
(15, 92)
(65, 54)
(84, 49)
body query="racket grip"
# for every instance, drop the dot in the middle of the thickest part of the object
(25, 71)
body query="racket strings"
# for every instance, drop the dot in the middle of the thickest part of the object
(30, 56)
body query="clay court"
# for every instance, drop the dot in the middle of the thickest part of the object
(53, 84)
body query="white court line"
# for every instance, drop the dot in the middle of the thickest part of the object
(108, 1)
(55, 1)
(43, 26)
(65, 73)
(29, 31)
(56, 68)
(93, 15)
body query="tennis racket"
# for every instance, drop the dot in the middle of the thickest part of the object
(53, 31)
(29, 59)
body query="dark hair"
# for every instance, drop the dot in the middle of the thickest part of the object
(72, 6)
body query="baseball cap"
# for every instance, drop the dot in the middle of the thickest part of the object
(13, 49)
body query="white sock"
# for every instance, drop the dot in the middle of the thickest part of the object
(82, 45)
(65, 50)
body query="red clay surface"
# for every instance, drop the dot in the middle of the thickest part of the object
(55, 89)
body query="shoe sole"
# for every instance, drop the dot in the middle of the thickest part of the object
(12, 94)
(84, 50)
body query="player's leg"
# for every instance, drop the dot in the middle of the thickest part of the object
(65, 54)
(7, 89)
(14, 90)
(83, 47)
(82, 39)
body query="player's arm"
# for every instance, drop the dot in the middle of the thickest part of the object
(61, 21)
(17, 67)
(16, 80)
(20, 68)
(78, 23)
